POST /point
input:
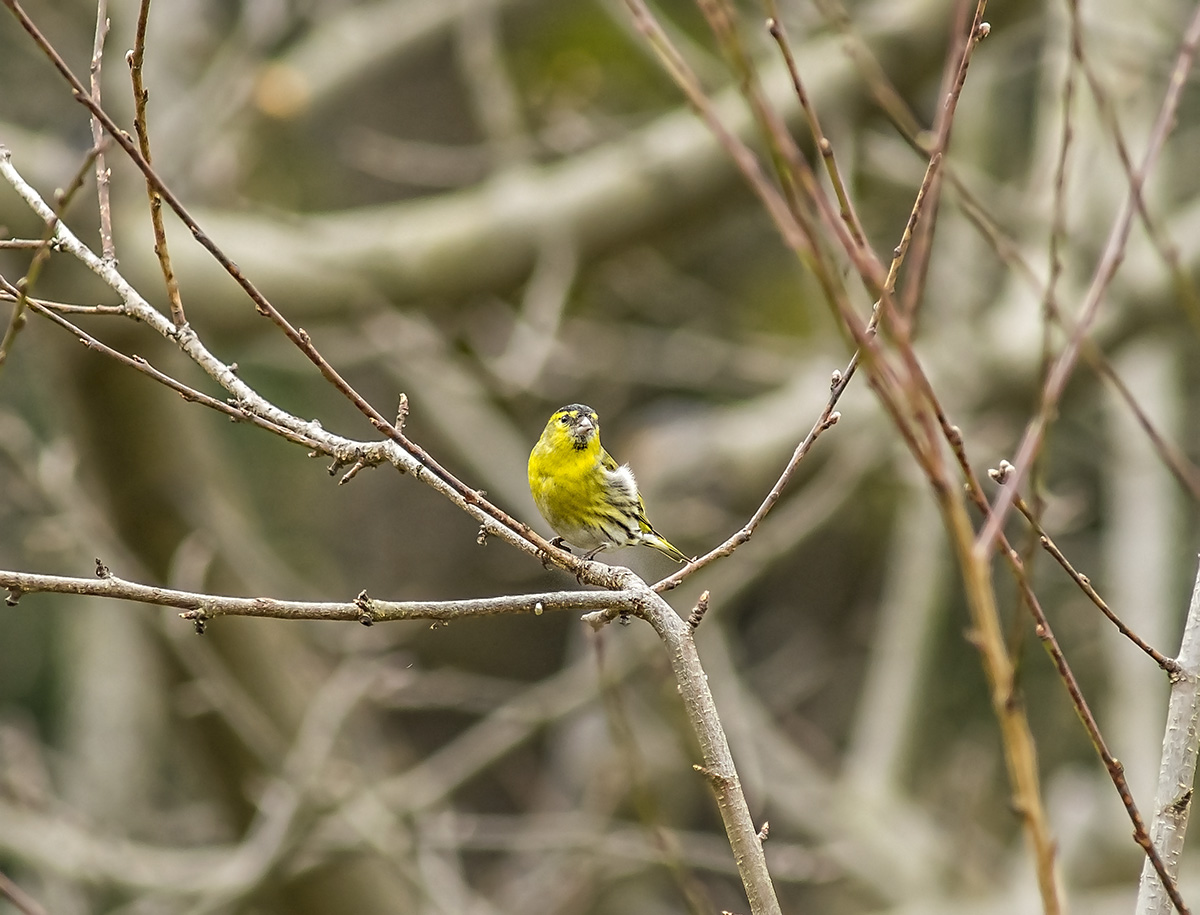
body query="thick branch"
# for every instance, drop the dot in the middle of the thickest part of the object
(1177, 770)
(717, 766)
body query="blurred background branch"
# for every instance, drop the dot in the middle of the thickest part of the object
(500, 207)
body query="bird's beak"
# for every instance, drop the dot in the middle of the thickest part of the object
(581, 432)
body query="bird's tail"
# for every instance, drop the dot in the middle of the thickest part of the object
(663, 545)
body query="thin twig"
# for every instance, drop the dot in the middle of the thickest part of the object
(954, 78)
(1085, 584)
(63, 308)
(1016, 738)
(107, 250)
(1185, 471)
(16, 320)
(19, 898)
(141, 127)
(828, 416)
(22, 244)
(187, 393)
(908, 404)
(739, 153)
(1106, 269)
(793, 170)
(1167, 249)
(1045, 633)
(824, 146)
(827, 419)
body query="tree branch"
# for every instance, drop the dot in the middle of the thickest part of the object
(363, 609)
(1177, 770)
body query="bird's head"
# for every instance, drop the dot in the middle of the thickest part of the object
(575, 424)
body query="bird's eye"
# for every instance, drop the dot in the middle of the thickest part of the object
(564, 419)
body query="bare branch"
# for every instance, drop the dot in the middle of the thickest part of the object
(1060, 372)
(1177, 770)
(141, 127)
(20, 292)
(207, 606)
(19, 898)
(107, 251)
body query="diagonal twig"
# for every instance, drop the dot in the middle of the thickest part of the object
(1063, 367)
(141, 127)
(107, 250)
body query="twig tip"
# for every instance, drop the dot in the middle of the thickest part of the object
(701, 608)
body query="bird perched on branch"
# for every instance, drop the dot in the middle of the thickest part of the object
(589, 500)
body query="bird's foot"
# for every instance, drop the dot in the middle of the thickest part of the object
(556, 542)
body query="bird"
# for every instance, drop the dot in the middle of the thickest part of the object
(590, 500)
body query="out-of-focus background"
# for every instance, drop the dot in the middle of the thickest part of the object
(498, 208)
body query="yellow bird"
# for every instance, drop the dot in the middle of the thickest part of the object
(589, 500)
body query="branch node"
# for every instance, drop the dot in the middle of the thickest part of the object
(765, 831)
(1179, 807)
(482, 537)
(366, 607)
(101, 569)
(538, 609)
(14, 595)
(1012, 701)
(718, 781)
